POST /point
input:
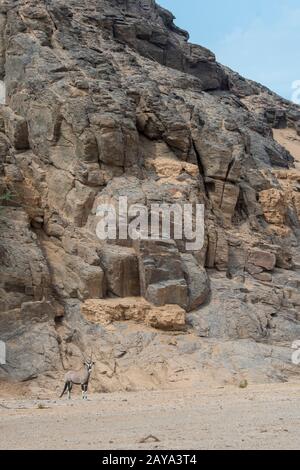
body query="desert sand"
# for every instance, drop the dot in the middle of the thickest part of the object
(258, 417)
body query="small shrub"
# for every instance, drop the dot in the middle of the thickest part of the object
(243, 384)
(41, 406)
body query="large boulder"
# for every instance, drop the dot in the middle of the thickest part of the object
(161, 273)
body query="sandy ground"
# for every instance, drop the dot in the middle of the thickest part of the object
(259, 417)
(289, 139)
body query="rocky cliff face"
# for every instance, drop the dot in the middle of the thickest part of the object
(108, 99)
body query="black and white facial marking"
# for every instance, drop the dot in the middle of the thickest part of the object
(89, 365)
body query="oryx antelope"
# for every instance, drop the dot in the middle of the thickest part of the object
(80, 377)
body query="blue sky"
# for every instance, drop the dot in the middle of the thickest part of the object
(260, 39)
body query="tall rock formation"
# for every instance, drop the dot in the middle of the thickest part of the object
(107, 98)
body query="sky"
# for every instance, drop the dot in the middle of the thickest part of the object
(260, 39)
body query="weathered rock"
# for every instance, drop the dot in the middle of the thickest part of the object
(224, 197)
(24, 274)
(161, 273)
(284, 258)
(112, 310)
(254, 270)
(276, 118)
(31, 342)
(27, 304)
(273, 206)
(218, 250)
(237, 258)
(15, 128)
(87, 147)
(2, 46)
(197, 281)
(78, 204)
(121, 270)
(262, 259)
(168, 292)
(113, 101)
(222, 252)
(263, 277)
(72, 277)
(152, 33)
(293, 297)
(168, 317)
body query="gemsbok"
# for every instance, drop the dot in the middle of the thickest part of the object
(80, 377)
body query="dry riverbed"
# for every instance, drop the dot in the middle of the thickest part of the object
(259, 417)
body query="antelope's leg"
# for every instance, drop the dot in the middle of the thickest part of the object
(69, 390)
(82, 391)
(64, 390)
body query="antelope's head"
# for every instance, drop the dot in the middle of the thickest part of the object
(89, 364)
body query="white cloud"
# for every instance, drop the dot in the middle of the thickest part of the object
(265, 51)
(296, 91)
